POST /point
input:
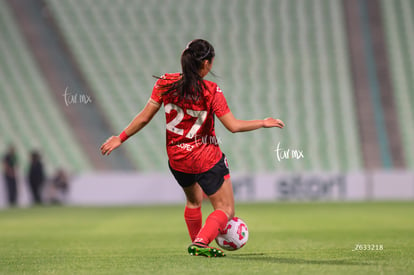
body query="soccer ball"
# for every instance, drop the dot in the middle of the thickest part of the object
(234, 236)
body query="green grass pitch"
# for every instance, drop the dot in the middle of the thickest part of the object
(285, 238)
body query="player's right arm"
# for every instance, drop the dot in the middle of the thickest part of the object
(236, 125)
(139, 122)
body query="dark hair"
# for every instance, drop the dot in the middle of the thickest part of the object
(191, 84)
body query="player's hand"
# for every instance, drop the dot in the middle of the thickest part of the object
(110, 144)
(272, 122)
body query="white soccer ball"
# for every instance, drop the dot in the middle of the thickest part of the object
(234, 236)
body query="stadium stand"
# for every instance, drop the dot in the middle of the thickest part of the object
(399, 24)
(281, 58)
(29, 118)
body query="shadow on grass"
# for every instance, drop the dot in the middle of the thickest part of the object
(272, 259)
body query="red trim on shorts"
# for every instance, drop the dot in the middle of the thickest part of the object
(227, 176)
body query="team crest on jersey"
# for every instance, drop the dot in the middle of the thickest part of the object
(218, 90)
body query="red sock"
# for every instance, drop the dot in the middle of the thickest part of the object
(193, 219)
(214, 223)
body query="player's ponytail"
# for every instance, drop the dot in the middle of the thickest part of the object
(191, 84)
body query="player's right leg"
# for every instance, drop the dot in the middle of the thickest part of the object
(223, 204)
(193, 218)
(216, 183)
(223, 199)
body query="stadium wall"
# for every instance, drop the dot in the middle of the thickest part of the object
(116, 188)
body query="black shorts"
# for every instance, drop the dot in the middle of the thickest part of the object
(210, 181)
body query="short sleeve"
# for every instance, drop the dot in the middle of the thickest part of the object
(157, 93)
(219, 104)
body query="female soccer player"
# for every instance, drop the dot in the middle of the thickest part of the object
(195, 158)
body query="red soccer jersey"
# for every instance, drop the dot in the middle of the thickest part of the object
(192, 145)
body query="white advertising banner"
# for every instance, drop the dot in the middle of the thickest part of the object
(120, 188)
(132, 188)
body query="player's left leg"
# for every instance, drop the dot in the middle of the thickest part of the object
(192, 212)
(197, 249)
(217, 185)
(194, 195)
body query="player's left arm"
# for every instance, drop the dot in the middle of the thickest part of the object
(139, 122)
(143, 118)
